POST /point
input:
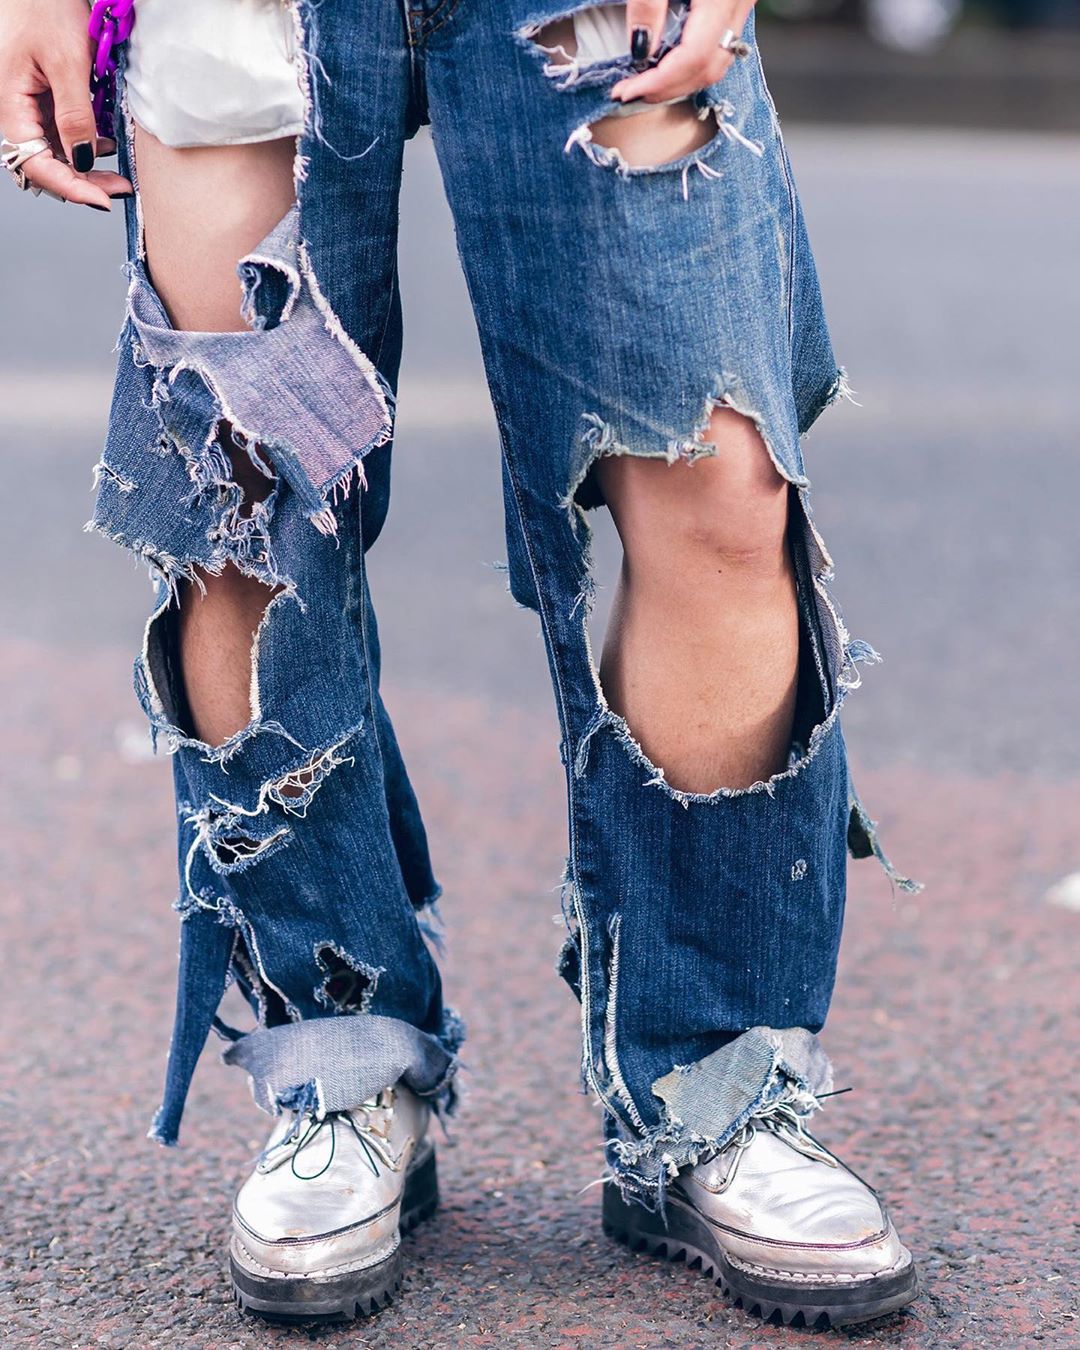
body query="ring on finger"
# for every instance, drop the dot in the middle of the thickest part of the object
(14, 154)
(731, 42)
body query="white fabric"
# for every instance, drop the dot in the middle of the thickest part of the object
(214, 72)
(601, 32)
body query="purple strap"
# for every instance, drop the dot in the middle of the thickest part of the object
(111, 22)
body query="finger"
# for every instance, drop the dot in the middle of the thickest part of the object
(696, 62)
(20, 116)
(680, 74)
(98, 188)
(53, 175)
(73, 113)
(645, 21)
(114, 184)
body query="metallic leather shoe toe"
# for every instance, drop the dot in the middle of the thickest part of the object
(783, 1226)
(317, 1226)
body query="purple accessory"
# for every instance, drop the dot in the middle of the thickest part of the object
(111, 22)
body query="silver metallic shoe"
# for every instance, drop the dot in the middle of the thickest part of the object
(782, 1225)
(317, 1226)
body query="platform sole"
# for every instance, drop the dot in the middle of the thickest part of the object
(688, 1237)
(347, 1294)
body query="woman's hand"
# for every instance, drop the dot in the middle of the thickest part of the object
(695, 63)
(45, 91)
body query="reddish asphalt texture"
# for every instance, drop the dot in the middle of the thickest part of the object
(953, 1018)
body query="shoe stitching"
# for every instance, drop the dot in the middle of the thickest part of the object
(819, 1277)
(344, 1269)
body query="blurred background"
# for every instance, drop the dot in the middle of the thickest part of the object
(922, 25)
(970, 63)
(937, 149)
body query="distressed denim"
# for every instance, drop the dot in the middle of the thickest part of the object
(617, 308)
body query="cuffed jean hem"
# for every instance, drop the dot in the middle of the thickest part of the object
(330, 1064)
(706, 1104)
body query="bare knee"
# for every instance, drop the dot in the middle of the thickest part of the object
(729, 511)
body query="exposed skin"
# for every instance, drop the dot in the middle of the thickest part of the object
(701, 654)
(702, 648)
(45, 70)
(193, 266)
(654, 137)
(697, 61)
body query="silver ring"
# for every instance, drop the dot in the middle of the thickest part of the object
(731, 42)
(14, 154)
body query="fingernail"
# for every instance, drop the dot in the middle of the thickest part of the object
(82, 156)
(94, 207)
(639, 45)
(120, 195)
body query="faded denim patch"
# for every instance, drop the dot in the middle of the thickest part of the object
(295, 385)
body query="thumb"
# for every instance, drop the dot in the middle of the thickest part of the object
(73, 113)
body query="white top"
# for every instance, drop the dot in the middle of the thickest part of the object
(214, 72)
(601, 32)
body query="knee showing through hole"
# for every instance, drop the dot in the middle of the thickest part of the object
(730, 509)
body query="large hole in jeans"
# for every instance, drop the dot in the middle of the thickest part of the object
(207, 647)
(644, 136)
(711, 642)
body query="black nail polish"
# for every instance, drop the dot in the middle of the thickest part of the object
(94, 207)
(639, 46)
(120, 196)
(82, 157)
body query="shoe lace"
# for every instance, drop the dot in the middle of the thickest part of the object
(370, 1134)
(782, 1118)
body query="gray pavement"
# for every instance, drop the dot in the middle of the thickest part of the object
(948, 500)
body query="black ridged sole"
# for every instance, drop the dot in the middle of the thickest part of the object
(688, 1237)
(348, 1294)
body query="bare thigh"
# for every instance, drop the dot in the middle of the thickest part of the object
(203, 210)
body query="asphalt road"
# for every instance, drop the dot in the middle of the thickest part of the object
(948, 500)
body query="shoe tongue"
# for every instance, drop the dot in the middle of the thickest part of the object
(795, 1136)
(303, 1134)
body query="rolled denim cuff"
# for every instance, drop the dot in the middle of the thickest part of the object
(707, 1103)
(336, 1063)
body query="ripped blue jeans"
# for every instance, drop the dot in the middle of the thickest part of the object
(702, 928)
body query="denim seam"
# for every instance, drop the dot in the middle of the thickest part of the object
(611, 1049)
(362, 567)
(789, 281)
(432, 28)
(427, 24)
(360, 535)
(588, 1068)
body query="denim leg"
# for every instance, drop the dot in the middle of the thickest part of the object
(302, 855)
(305, 875)
(618, 307)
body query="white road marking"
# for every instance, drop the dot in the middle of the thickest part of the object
(1066, 893)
